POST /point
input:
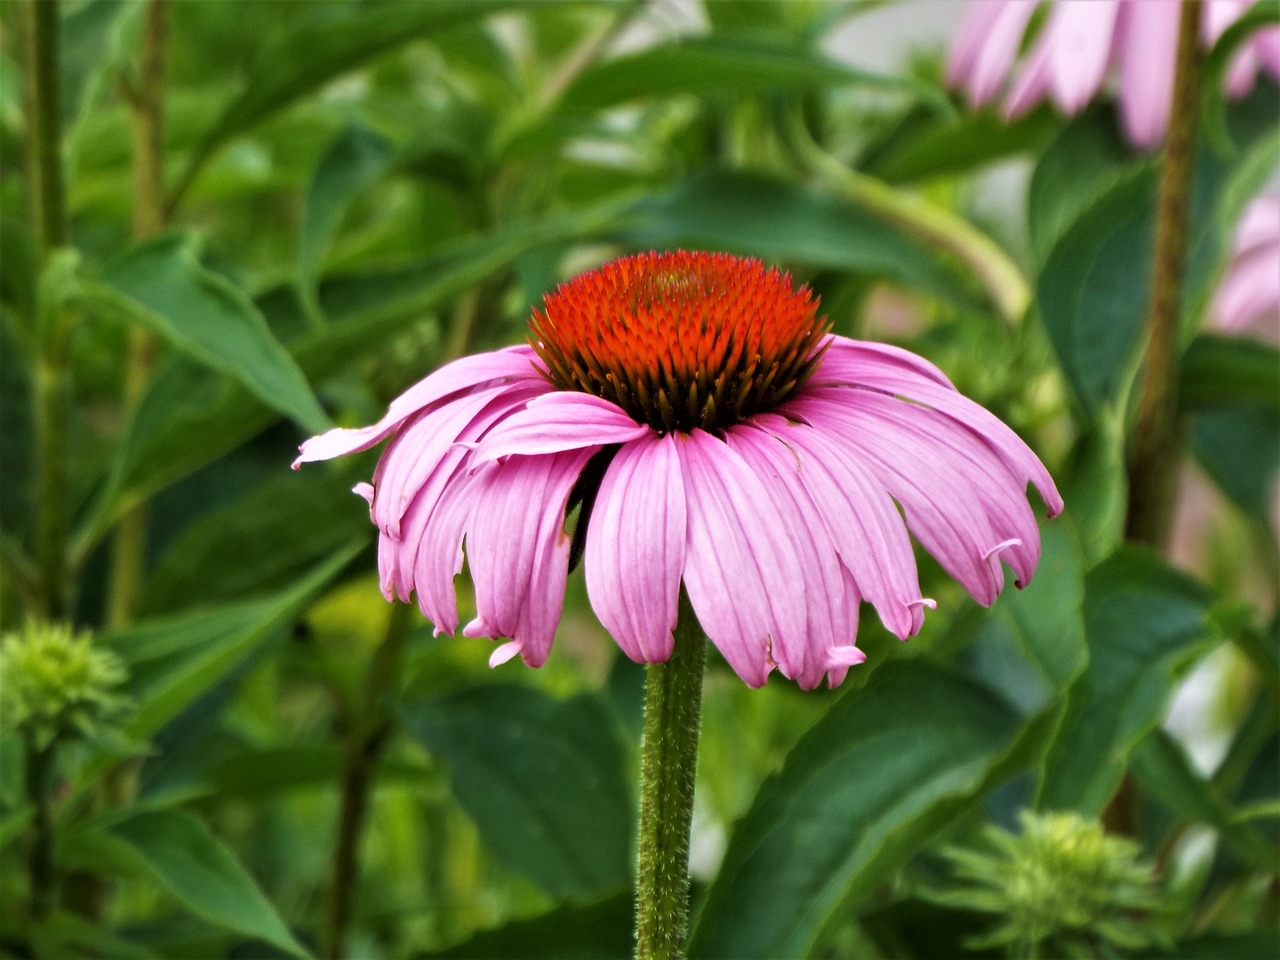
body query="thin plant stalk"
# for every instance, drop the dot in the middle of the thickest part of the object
(363, 749)
(52, 378)
(146, 112)
(41, 871)
(936, 226)
(669, 760)
(1157, 438)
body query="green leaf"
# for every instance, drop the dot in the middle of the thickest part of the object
(1092, 291)
(161, 285)
(1240, 450)
(599, 931)
(868, 785)
(260, 774)
(543, 779)
(353, 162)
(182, 856)
(1077, 167)
(1047, 616)
(761, 62)
(1229, 372)
(1143, 621)
(187, 418)
(173, 661)
(760, 215)
(306, 58)
(1096, 486)
(1163, 769)
(926, 146)
(259, 543)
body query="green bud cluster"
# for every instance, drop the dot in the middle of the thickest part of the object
(56, 685)
(1062, 888)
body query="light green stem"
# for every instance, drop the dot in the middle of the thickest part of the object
(51, 380)
(146, 112)
(672, 716)
(999, 275)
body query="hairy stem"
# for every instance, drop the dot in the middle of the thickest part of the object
(363, 749)
(146, 113)
(51, 380)
(672, 716)
(1157, 436)
(38, 772)
(1003, 281)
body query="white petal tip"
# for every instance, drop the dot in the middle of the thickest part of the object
(504, 653)
(1000, 547)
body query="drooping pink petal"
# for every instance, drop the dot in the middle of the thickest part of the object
(512, 363)
(850, 363)
(557, 422)
(1150, 42)
(401, 562)
(1079, 37)
(1266, 46)
(517, 548)
(860, 517)
(831, 604)
(635, 549)
(1259, 224)
(741, 570)
(941, 492)
(1250, 291)
(438, 556)
(971, 33)
(994, 59)
(1216, 17)
(1032, 82)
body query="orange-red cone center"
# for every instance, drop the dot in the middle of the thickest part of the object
(681, 340)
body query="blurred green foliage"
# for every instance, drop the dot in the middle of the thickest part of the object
(355, 191)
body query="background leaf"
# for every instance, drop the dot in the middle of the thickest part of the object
(543, 779)
(207, 318)
(180, 853)
(1143, 621)
(880, 773)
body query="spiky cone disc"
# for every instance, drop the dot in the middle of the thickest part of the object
(681, 340)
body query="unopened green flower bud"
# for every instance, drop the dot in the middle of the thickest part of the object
(56, 685)
(1061, 888)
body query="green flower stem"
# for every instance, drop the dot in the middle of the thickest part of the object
(41, 873)
(1157, 438)
(365, 743)
(146, 112)
(672, 714)
(999, 275)
(51, 380)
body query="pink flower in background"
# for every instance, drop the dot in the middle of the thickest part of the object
(1248, 298)
(1083, 39)
(716, 436)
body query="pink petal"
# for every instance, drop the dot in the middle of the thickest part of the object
(518, 550)
(829, 595)
(403, 564)
(1032, 82)
(942, 488)
(850, 364)
(1266, 46)
(1250, 291)
(513, 363)
(635, 549)
(864, 524)
(1259, 224)
(1146, 70)
(741, 571)
(557, 422)
(972, 31)
(873, 358)
(997, 52)
(1079, 38)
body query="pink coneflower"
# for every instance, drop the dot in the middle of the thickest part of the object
(1080, 40)
(1248, 298)
(715, 435)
